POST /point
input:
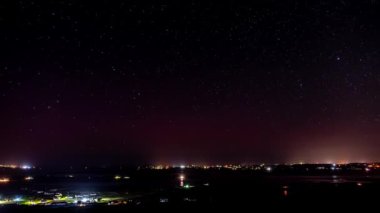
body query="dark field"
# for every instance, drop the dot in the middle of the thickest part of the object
(213, 189)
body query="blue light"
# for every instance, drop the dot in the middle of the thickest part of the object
(17, 199)
(26, 167)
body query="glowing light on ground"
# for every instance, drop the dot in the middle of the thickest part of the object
(26, 167)
(4, 180)
(28, 178)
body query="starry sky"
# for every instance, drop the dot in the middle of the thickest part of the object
(109, 82)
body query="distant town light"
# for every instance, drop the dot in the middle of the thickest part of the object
(12, 166)
(17, 199)
(182, 177)
(164, 200)
(268, 169)
(117, 177)
(181, 180)
(26, 167)
(4, 180)
(182, 166)
(28, 178)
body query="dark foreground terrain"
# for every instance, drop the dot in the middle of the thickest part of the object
(191, 190)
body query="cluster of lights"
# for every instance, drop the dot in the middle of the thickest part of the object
(29, 178)
(367, 167)
(182, 184)
(7, 180)
(14, 166)
(160, 167)
(4, 180)
(10, 166)
(26, 167)
(187, 186)
(373, 166)
(118, 177)
(18, 199)
(182, 177)
(206, 167)
(181, 180)
(77, 200)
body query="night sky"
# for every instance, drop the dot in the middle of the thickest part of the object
(131, 82)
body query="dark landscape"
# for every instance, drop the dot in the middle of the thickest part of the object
(282, 187)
